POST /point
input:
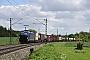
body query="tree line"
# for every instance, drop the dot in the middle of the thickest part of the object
(4, 32)
(84, 36)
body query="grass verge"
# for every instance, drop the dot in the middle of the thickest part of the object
(59, 51)
(6, 40)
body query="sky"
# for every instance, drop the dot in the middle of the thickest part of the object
(68, 16)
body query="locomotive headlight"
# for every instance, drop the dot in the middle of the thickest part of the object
(27, 37)
(19, 37)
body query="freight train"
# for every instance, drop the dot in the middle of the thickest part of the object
(27, 36)
(48, 38)
(55, 38)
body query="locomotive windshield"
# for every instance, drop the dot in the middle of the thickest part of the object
(23, 33)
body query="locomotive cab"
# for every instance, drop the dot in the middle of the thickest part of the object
(27, 36)
(23, 37)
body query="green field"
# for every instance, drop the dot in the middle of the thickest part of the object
(62, 51)
(74, 44)
(6, 40)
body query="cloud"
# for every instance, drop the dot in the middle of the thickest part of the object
(26, 13)
(65, 15)
(86, 4)
(69, 16)
(60, 5)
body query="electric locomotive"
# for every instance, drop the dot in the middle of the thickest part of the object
(26, 36)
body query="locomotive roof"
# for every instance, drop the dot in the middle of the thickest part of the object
(26, 31)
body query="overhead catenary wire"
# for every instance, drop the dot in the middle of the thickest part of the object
(12, 4)
(38, 20)
(4, 15)
(34, 12)
(17, 8)
(17, 21)
(20, 7)
(31, 7)
(23, 10)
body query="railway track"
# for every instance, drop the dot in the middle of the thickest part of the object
(12, 48)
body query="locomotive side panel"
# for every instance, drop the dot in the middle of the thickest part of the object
(31, 37)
